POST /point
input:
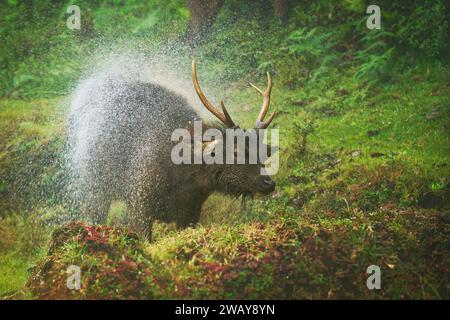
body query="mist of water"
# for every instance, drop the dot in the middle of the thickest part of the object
(92, 112)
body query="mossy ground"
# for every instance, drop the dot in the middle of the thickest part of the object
(321, 256)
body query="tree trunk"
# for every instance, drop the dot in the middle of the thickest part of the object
(281, 9)
(203, 13)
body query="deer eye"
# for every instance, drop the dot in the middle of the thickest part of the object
(213, 154)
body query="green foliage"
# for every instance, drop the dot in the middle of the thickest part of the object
(303, 129)
(237, 47)
(31, 170)
(376, 58)
(313, 49)
(44, 58)
(427, 28)
(22, 243)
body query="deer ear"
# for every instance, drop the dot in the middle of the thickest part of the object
(213, 152)
(209, 147)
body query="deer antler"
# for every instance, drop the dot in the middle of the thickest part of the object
(260, 124)
(224, 117)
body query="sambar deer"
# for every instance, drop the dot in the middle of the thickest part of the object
(127, 155)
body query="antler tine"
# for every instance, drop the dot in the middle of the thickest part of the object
(226, 114)
(265, 106)
(264, 125)
(225, 117)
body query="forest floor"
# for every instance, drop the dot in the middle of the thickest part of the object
(363, 181)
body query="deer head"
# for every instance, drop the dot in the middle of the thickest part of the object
(237, 179)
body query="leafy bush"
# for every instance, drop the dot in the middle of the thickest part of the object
(427, 28)
(43, 58)
(375, 59)
(313, 49)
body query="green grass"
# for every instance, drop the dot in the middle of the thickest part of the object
(14, 273)
(23, 243)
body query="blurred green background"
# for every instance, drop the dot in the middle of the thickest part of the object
(41, 57)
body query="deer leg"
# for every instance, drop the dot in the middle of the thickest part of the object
(188, 217)
(245, 199)
(141, 224)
